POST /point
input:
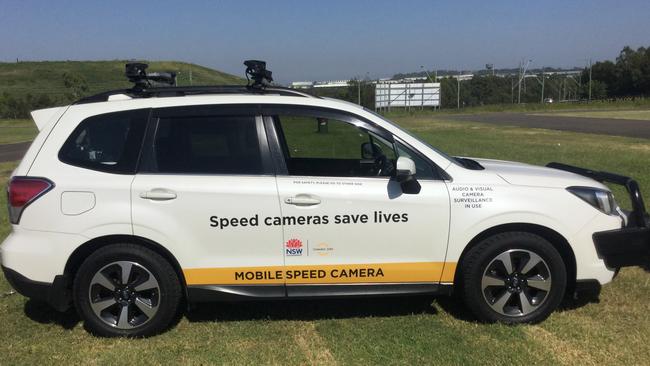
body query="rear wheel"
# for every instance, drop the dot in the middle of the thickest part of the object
(126, 290)
(514, 277)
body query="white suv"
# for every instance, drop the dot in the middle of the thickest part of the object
(130, 202)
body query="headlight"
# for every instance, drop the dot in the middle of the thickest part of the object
(601, 200)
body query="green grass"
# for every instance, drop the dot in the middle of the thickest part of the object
(46, 76)
(342, 140)
(643, 114)
(17, 130)
(376, 331)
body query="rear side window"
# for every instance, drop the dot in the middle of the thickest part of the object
(108, 142)
(207, 145)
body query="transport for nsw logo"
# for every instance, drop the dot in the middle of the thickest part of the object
(293, 247)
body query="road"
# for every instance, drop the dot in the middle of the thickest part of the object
(601, 126)
(11, 152)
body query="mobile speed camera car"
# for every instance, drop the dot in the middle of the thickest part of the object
(132, 202)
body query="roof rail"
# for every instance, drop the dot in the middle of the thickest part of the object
(178, 91)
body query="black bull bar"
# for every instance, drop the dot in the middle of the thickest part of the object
(629, 245)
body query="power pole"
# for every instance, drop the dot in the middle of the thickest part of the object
(190, 75)
(359, 91)
(589, 80)
(458, 92)
(522, 74)
(427, 73)
(542, 86)
(519, 84)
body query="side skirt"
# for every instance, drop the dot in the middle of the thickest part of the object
(211, 293)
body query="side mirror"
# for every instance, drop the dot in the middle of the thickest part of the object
(405, 175)
(405, 167)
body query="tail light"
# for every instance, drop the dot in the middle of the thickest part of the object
(22, 191)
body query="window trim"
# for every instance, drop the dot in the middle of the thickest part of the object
(270, 112)
(148, 165)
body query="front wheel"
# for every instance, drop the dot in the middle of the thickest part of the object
(126, 290)
(513, 277)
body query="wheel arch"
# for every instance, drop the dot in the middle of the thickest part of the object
(83, 251)
(556, 239)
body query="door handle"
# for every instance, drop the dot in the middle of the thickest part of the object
(158, 195)
(302, 200)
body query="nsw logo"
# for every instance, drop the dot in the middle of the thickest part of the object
(293, 247)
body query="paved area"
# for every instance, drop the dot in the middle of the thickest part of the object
(11, 152)
(602, 126)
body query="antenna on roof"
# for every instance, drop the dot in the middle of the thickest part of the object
(257, 72)
(136, 72)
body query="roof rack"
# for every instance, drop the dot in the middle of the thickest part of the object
(179, 91)
(150, 85)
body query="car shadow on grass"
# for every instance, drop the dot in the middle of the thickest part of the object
(311, 309)
(42, 313)
(454, 306)
(305, 309)
(308, 309)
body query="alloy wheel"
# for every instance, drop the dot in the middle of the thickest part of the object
(516, 282)
(124, 294)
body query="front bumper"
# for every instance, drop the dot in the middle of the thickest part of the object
(56, 294)
(624, 247)
(630, 245)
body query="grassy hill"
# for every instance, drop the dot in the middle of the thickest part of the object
(46, 77)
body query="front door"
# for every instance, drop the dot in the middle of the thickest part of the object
(346, 220)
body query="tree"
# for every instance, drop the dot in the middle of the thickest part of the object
(628, 76)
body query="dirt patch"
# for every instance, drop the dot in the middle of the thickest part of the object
(313, 345)
(563, 352)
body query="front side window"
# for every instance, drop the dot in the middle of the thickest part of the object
(207, 145)
(315, 146)
(108, 142)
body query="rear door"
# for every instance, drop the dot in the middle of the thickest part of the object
(346, 220)
(204, 186)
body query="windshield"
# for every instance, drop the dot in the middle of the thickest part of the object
(450, 158)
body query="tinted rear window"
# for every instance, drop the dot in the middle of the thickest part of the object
(207, 145)
(108, 142)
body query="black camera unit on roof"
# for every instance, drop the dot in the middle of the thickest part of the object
(257, 72)
(136, 72)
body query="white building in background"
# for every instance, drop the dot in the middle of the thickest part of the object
(331, 84)
(462, 77)
(302, 84)
(319, 84)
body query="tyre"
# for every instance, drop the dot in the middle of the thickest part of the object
(513, 277)
(126, 290)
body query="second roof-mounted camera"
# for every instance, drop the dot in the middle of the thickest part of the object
(257, 74)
